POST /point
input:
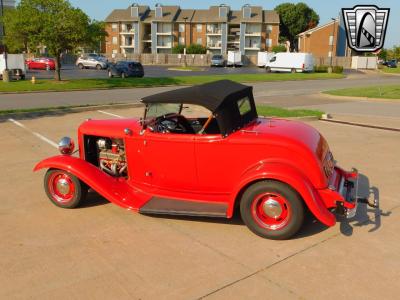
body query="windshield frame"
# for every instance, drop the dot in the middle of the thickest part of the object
(147, 120)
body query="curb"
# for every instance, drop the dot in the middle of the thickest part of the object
(361, 125)
(355, 98)
(58, 111)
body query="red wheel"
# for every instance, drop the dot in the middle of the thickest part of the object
(272, 209)
(64, 189)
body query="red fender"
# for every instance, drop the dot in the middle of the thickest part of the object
(293, 177)
(113, 189)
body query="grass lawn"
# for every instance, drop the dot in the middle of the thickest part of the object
(262, 110)
(86, 84)
(383, 91)
(391, 70)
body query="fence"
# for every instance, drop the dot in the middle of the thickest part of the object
(341, 61)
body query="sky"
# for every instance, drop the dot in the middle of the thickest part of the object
(99, 9)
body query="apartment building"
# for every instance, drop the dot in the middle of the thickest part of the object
(140, 29)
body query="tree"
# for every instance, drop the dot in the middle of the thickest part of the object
(95, 35)
(196, 49)
(178, 49)
(279, 48)
(295, 18)
(52, 23)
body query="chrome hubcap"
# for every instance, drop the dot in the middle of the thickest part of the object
(272, 208)
(63, 186)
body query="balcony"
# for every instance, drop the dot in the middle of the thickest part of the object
(214, 45)
(164, 32)
(164, 45)
(252, 33)
(131, 32)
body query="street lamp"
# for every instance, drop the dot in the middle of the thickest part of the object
(332, 43)
(5, 72)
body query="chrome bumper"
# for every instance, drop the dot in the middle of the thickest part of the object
(348, 188)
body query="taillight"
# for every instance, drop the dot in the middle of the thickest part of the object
(328, 164)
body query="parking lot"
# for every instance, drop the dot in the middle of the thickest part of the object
(73, 72)
(103, 251)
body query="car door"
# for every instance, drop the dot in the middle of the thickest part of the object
(170, 161)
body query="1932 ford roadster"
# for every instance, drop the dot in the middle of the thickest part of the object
(165, 163)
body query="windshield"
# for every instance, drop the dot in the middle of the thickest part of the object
(217, 57)
(155, 110)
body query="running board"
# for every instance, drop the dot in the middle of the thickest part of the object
(165, 206)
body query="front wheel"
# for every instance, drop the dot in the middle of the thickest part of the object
(268, 69)
(47, 68)
(272, 210)
(99, 67)
(110, 74)
(64, 189)
(81, 66)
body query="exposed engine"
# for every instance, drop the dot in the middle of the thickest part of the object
(112, 159)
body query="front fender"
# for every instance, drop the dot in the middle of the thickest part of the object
(290, 175)
(113, 189)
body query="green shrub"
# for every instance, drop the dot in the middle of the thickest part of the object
(324, 69)
(196, 49)
(279, 48)
(178, 49)
(321, 69)
(337, 69)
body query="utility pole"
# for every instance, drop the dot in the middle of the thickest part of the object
(184, 50)
(332, 43)
(6, 75)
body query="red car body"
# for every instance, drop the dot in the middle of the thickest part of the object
(41, 63)
(207, 174)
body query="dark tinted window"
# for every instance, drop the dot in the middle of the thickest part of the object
(217, 57)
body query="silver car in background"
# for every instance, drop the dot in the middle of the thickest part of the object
(92, 61)
(217, 60)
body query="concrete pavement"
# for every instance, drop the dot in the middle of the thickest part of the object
(101, 251)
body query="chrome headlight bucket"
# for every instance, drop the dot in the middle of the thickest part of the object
(66, 146)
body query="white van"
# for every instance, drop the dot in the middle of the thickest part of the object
(263, 58)
(234, 59)
(16, 65)
(290, 62)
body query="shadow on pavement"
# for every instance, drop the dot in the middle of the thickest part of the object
(366, 215)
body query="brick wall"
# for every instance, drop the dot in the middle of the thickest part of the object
(317, 42)
(109, 39)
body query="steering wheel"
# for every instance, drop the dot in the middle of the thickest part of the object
(175, 123)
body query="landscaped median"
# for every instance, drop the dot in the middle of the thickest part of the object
(113, 83)
(382, 92)
(262, 110)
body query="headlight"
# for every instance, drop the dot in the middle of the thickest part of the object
(66, 146)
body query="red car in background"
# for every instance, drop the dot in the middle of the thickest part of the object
(41, 63)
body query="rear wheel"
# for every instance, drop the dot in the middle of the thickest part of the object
(272, 209)
(81, 66)
(268, 69)
(47, 68)
(293, 71)
(64, 189)
(123, 75)
(110, 74)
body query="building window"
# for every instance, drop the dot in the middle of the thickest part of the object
(199, 28)
(134, 11)
(223, 11)
(114, 27)
(246, 12)
(268, 42)
(115, 51)
(181, 27)
(199, 41)
(331, 40)
(115, 40)
(269, 28)
(159, 13)
(181, 40)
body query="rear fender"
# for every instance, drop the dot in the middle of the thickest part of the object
(291, 176)
(113, 189)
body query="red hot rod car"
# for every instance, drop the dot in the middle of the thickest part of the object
(167, 162)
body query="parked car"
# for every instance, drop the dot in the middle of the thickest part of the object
(391, 63)
(15, 64)
(98, 56)
(84, 62)
(217, 60)
(263, 58)
(271, 170)
(126, 69)
(290, 62)
(41, 63)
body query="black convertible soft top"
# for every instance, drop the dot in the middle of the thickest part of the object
(220, 97)
(210, 95)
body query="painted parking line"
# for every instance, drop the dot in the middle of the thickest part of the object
(38, 135)
(110, 114)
